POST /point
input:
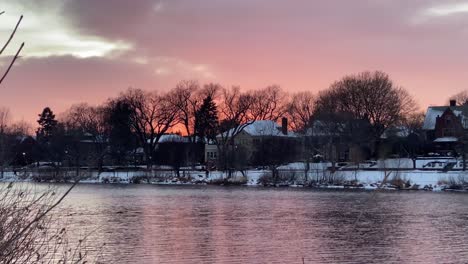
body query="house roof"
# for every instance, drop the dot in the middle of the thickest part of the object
(171, 138)
(263, 128)
(320, 128)
(398, 131)
(446, 139)
(434, 111)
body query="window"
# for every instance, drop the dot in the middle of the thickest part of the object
(448, 120)
(448, 132)
(211, 155)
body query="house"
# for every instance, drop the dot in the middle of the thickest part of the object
(341, 138)
(250, 137)
(211, 152)
(446, 126)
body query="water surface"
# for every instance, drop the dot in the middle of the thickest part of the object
(205, 224)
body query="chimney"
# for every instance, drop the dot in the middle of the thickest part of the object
(284, 126)
(453, 102)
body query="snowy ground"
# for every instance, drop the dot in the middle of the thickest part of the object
(292, 174)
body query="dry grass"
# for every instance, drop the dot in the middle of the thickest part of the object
(30, 232)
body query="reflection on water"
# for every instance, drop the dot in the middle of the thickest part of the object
(159, 224)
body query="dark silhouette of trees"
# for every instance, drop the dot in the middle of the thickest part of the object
(185, 99)
(234, 117)
(368, 96)
(121, 137)
(174, 154)
(348, 118)
(206, 121)
(88, 123)
(461, 98)
(47, 124)
(238, 110)
(273, 152)
(268, 103)
(152, 115)
(300, 110)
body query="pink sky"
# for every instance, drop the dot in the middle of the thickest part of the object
(89, 50)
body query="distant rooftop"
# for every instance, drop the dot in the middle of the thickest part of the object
(434, 111)
(264, 128)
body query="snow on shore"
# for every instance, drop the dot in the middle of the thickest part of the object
(252, 177)
(294, 173)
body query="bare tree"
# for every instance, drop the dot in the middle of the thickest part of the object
(234, 109)
(461, 97)
(237, 110)
(300, 110)
(21, 128)
(152, 116)
(187, 98)
(268, 103)
(184, 98)
(414, 122)
(89, 122)
(371, 96)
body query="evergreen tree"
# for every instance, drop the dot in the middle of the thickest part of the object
(47, 124)
(206, 120)
(121, 137)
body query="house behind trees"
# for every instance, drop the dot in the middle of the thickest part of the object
(251, 139)
(446, 127)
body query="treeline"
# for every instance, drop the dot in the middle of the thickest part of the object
(126, 130)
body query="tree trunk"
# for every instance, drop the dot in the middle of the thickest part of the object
(464, 160)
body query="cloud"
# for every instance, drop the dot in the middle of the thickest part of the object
(447, 10)
(158, 6)
(47, 33)
(182, 68)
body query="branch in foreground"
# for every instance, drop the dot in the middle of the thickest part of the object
(11, 63)
(38, 218)
(12, 34)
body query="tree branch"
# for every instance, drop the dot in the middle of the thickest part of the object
(12, 62)
(39, 217)
(11, 35)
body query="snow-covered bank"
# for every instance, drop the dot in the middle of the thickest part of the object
(290, 175)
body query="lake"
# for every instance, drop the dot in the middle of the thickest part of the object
(208, 224)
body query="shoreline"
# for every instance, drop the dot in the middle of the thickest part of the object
(359, 180)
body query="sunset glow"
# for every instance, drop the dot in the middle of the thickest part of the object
(89, 50)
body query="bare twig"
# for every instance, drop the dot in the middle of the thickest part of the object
(11, 63)
(40, 216)
(11, 35)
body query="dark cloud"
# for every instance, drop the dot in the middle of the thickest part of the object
(116, 19)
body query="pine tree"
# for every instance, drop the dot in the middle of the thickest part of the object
(121, 138)
(47, 124)
(206, 120)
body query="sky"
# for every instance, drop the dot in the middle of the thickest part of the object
(90, 50)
